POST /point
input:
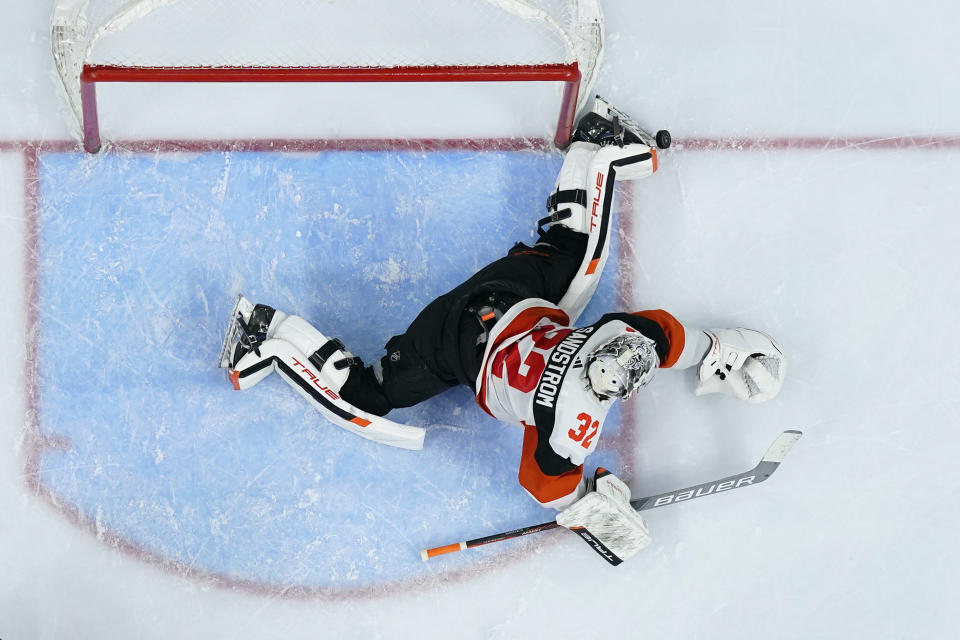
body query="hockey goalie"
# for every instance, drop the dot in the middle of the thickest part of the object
(510, 334)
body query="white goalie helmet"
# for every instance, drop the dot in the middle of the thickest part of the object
(622, 365)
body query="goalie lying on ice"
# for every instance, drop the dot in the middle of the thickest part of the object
(509, 334)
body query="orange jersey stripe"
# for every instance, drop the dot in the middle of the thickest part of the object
(541, 486)
(359, 421)
(673, 330)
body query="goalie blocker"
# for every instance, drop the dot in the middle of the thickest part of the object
(606, 521)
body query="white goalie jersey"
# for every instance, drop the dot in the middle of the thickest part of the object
(533, 376)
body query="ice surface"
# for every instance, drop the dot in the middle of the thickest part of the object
(140, 258)
(135, 515)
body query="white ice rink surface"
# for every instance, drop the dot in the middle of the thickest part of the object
(845, 251)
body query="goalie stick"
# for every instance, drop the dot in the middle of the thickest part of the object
(764, 469)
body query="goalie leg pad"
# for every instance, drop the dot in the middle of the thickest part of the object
(585, 169)
(570, 194)
(328, 356)
(595, 171)
(252, 326)
(298, 371)
(252, 368)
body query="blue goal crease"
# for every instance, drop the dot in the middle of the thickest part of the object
(140, 257)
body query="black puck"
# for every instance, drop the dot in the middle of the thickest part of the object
(663, 139)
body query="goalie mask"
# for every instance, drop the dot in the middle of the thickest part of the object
(622, 365)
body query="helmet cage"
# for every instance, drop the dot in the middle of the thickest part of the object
(622, 365)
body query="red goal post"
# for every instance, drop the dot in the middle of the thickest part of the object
(265, 41)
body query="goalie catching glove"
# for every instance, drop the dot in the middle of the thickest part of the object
(605, 519)
(744, 363)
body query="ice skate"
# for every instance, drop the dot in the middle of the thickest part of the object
(606, 125)
(246, 330)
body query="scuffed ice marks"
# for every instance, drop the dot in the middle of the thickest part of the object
(389, 273)
(219, 189)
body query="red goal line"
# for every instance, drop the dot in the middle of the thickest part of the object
(288, 145)
(814, 143)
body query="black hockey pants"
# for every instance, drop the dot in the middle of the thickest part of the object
(442, 347)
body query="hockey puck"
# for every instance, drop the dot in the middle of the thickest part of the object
(663, 139)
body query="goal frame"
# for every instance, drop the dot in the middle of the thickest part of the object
(566, 73)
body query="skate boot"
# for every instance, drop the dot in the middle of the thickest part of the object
(253, 331)
(247, 330)
(606, 125)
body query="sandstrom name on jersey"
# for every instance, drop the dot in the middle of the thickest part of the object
(558, 364)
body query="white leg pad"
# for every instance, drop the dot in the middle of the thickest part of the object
(306, 339)
(572, 176)
(605, 166)
(296, 369)
(300, 333)
(255, 368)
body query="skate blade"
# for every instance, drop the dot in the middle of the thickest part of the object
(232, 335)
(608, 111)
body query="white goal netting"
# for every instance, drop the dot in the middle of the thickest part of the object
(176, 34)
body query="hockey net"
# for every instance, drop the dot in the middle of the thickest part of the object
(95, 41)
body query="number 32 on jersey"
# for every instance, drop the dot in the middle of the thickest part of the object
(585, 432)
